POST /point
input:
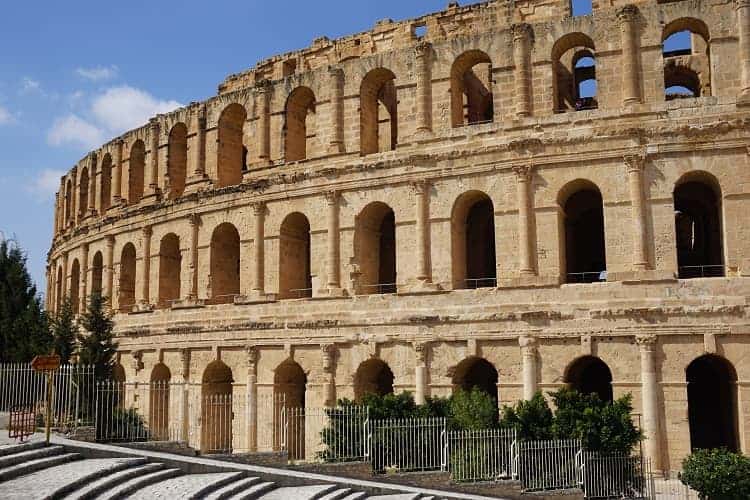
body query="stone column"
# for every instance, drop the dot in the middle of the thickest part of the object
(328, 354)
(109, 271)
(258, 285)
(252, 398)
(64, 289)
(636, 164)
(185, 403)
(650, 399)
(333, 265)
(420, 372)
(526, 263)
(83, 298)
(153, 177)
(631, 89)
(76, 199)
(522, 60)
(263, 105)
(195, 224)
(529, 362)
(56, 220)
(422, 54)
(421, 191)
(336, 144)
(117, 175)
(146, 268)
(92, 187)
(743, 30)
(196, 148)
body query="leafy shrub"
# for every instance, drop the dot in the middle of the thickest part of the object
(717, 474)
(532, 419)
(473, 409)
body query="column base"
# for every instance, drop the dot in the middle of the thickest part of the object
(336, 148)
(197, 183)
(188, 303)
(333, 293)
(422, 135)
(423, 286)
(143, 307)
(255, 297)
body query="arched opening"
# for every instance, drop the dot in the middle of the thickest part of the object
(118, 373)
(476, 373)
(698, 226)
(170, 265)
(126, 296)
(687, 59)
(300, 123)
(137, 165)
(473, 241)
(60, 291)
(471, 89)
(373, 377)
(97, 273)
(712, 403)
(590, 375)
(216, 424)
(106, 183)
(574, 73)
(378, 112)
(232, 153)
(177, 160)
(75, 283)
(290, 383)
(295, 280)
(68, 202)
(225, 264)
(159, 402)
(583, 213)
(118, 395)
(83, 189)
(375, 249)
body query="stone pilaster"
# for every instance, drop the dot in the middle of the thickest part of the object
(333, 254)
(328, 356)
(109, 270)
(650, 399)
(743, 30)
(631, 87)
(526, 264)
(83, 299)
(522, 36)
(144, 302)
(635, 164)
(195, 223)
(152, 187)
(185, 403)
(529, 355)
(263, 105)
(91, 209)
(117, 175)
(421, 190)
(252, 397)
(336, 88)
(423, 69)
(259, 219)
(420, 372)
(196, 166)
(65, 276)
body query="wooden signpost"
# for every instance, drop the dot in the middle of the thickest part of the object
(47, 364)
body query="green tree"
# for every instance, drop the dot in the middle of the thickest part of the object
(64, 331)
(24, 331)
(717, 474)
(97, 345)
(532, 419)
(474, 409)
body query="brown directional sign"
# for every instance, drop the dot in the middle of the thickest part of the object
(46, 363)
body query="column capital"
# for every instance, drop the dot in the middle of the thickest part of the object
(253, 354)
(147, 231)
(328, 354)
(422, 49)
(332, 197)
(263, 87)
(635, 161)
(627, 13)
(420, 351)
(110, 241)
(523, 172)
(194, 219)
(154, 124)
(259, 208)
(335, 71)
(646, 342)
(528, 343)
(420, 186)
(521, 32)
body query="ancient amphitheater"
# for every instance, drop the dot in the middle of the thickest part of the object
(501, 195)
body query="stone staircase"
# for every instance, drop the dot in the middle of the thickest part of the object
(32, 471)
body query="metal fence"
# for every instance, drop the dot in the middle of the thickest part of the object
(547, 465)
(328, 434)
(615, 476)
(409, 444)
(480, 455)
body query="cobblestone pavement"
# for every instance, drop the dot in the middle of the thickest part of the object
(185, 486)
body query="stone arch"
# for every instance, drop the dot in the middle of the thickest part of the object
(137, 167)
(473, 252)
(567, 52)
(106, 183)
(225, 264)
(97, 274)
(687, 58)
(378, 112)
(471, 89)
(301, 123)
(232, 155)
(177, 160)
(159, 391)
(216, 408)
(590, 375)
(83, 192)
(75, 284)
(170, 265)
(583, 222)
(126, 296)
(698, 226)
(118, 373)
(712, 403)
(295, 280)
(290, 383)
(476, 372)
(375, 249)
(373, 376)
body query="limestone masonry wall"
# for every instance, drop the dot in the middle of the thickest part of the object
(500, 195)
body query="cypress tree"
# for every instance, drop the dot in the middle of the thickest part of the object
(64, 331)
(97, 345)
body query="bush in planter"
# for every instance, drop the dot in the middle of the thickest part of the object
(717, 474)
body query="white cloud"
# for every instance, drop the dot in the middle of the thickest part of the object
(98, 73)
(45, 184)
(74, 130)
(122, 108)
(29, 85)
(5, 116)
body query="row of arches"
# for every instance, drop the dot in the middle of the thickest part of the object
(698, 232)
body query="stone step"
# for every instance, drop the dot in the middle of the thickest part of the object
(255, 491)
(132, 485)
(188, 487)
(55, 482)
(18, 448)
(29, 455)
(299, 492)
(23, 469)
(358, 495)
(95, 488)
(405, 496)
(337, 494)
(233, 488)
